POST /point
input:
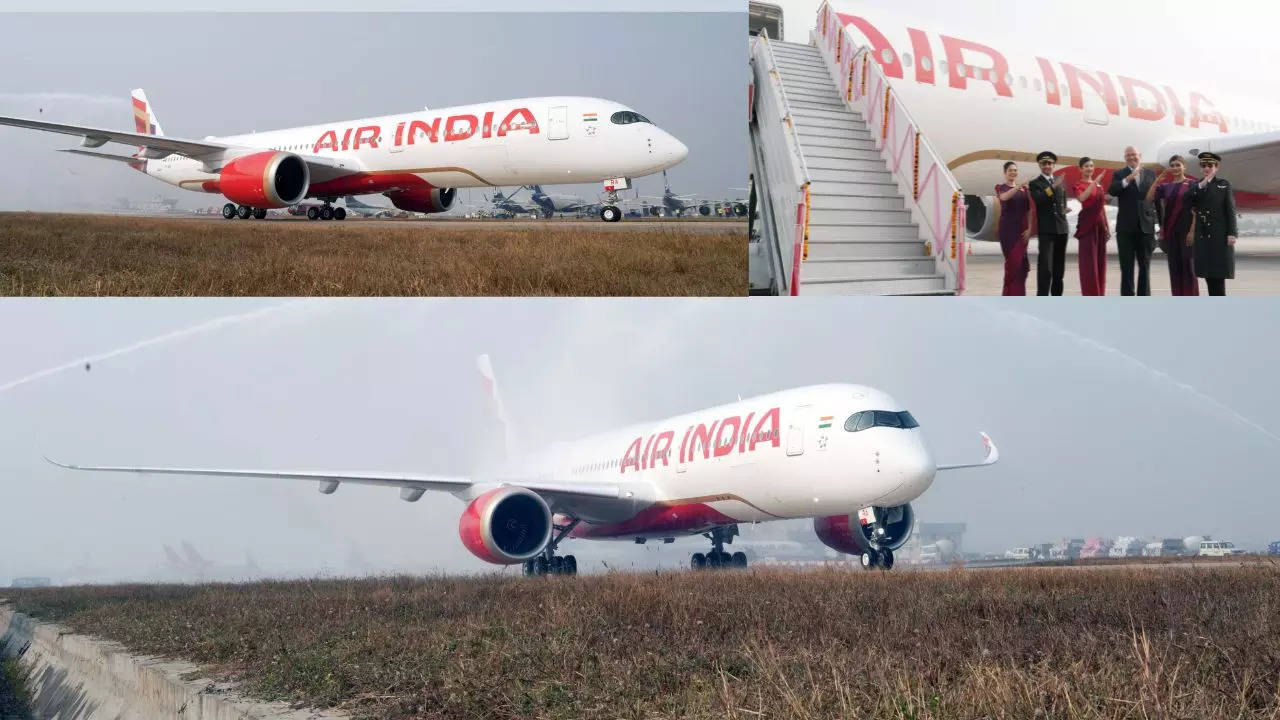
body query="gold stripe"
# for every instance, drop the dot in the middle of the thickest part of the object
(431, 170)
(715, 498)
(1016, 156)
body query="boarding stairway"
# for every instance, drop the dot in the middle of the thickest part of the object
(862, 227)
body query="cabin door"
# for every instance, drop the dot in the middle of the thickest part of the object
(558, 123)
(795, 430)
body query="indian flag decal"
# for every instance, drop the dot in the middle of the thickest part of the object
(824, 422)
(589, 117)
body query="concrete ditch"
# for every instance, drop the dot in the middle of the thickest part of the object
(78, 677)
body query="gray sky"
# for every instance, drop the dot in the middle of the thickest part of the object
(224, 74)
(1153, 418)
(1229, 49)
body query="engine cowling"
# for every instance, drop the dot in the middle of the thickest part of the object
(424, 200)
(845, 534)
(265, 180)
(980, 217)
(506, 525)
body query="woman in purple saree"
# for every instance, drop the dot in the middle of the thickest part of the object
(1177, 229)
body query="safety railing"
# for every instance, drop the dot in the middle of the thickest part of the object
(935, 195)
(782, 176)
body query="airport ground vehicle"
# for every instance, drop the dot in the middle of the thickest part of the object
(1218, 548)
(1018, 553)
(849, 457)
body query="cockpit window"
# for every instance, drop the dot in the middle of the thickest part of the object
(880, 418)
(626, 117)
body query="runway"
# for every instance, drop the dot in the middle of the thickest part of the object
(627, 225)
(1257, 269)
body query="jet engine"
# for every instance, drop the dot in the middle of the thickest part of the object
(740, 209)
(265, 180)
(704, 210)
(506, 525)
(424, 200)
(980, 217)
(846, 534)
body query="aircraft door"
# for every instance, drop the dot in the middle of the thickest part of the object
(558, 123)
(795, 430)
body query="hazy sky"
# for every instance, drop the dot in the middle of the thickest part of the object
(1144, 418)
(225, 74)
(1225, 48)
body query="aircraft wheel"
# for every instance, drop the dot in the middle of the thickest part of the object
(339, 214)
(570, 565)
(740, 559)
(868, 560)
(715, 560)
(244, 212)
(609, 213)
(529, 568)
(540, 566)
(698, 562)
(229, 211)
(326, 213)
(313, 213)
(557, 565)
(260, 213)
(886, 559)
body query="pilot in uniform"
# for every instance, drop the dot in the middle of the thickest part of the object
(1050, 196)
(1214, 204)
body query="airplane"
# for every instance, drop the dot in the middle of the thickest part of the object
(417, 160)
(355, 205)
(677, 205)
(505, 204)
(980, 104)
(849, 457)
(549, 205)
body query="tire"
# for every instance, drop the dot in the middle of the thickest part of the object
(260, 213)
(339, 214)
(886, 559)
(609, 213)
(570, 565)
(244, 212)
(557, 565)
(868, 560)
(713, 560)
(540, 566)
(740, 559)
(313, 213)
(528, 568)
(229, 211)
(698, 562)
(326, 213)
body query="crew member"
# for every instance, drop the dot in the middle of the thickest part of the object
(1136, 222)
(1092, 230)
(1215, 226)
(1017, 219)
(1050, 200)
(1171, 194)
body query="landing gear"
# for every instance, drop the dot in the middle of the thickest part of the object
(313, 213)
(339, 214)
(244, 212)
(610, 213)
(547, 562)
(873, 558)
(718, 558)
(229, 211)
(259, 213)
(326, 212)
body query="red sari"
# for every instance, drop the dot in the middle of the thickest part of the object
(1093, 231)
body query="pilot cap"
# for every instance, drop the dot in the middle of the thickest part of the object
(1046, 155)
(1210, 157)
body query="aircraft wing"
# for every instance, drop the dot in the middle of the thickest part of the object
(993, 456)
(1250, 162)
(412, 481)
(106, 156)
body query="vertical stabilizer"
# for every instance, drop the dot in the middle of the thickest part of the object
(485, 367)
(144, 118)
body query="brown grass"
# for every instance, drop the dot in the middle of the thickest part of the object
(106, 255)
(1023, 643)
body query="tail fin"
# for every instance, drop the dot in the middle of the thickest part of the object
(143, 117)
(495, 399)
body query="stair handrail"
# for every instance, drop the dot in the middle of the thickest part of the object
(788, 186)
(864, 86)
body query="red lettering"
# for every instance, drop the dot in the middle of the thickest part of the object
(1051, 94)
(417, 126)
(632, 457)
(880, 47)
(996, 74)
(746, 426)
(346, 139)
(1101, 84)
(1209, 116)
(1136, 111)
(487, 130)
(685, 443)
(724, 447)
(924, 55)
(452, 132)
(328, 140)
(526, 122)
(704, 435)
(1179, 115)
(767, 429)
(399, 133)
(644, 456)
(662, 449)
(367, 135)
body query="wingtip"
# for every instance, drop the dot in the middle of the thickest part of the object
(51, 461)
(993, 453)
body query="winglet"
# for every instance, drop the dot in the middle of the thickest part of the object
(51, 461)
(993, 455)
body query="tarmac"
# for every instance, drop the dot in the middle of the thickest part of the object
(1257, 269)
(627, 225)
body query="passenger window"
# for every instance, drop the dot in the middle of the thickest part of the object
(906, 59)
(926, 63)
(886, 55)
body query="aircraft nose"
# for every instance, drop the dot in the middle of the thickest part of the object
(676, 150)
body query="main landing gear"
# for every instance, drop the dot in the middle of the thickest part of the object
(718, 558)
(231, 211)
(327, 212)
(547, 562)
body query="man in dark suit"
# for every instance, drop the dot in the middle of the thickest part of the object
(1136, 223)
(1050, 197)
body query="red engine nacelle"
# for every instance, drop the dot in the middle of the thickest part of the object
(424, 200)
(846, 534)
(506, 525)
(265, 180)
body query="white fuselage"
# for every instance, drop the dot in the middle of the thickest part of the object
(511, 142)
(779, 456)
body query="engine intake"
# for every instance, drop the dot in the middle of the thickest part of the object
(265, 180)
(425, 200)
(506, 525)
(846, 534)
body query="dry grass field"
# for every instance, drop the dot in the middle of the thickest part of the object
(1021, 643)
(110, 255)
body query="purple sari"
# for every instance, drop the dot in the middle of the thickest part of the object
(1175, 225)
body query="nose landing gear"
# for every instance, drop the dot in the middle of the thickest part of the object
(547, 562)
(877, 558)
(718, 558)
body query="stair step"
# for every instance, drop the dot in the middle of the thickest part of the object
(834, 216)
(861, 267)
(823, 85)
(810, 67)
(818, 162)
(912, 285)
(818, 77)
(836, 124)
(830, 249)
(856, 202)
(852, 131)
(817, 151)
(825, 175)
(845, 143)
(863, 231)
(810, 56)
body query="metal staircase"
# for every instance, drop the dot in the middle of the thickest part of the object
(865, 232)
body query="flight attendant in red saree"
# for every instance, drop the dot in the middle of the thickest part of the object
(1171, 194)
(1017, 218)
(1092, 230)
